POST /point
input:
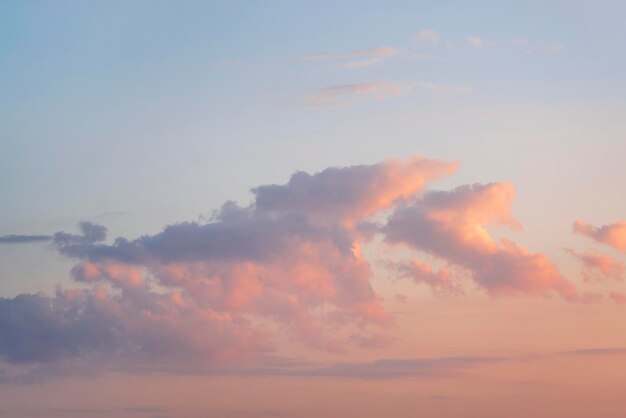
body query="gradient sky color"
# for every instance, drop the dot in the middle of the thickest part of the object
(312, 209)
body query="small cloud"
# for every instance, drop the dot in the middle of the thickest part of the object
(354, 59)
(23, 239)
(344, 94)
(475, 41)
(595, 352)
(441, 282)
(613, 235)
(380, 52)
(597, 265)
(427, 36)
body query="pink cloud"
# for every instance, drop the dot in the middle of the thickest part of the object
(353, 193)
(452, 226)
(613, 234)
(346, 94)
(290, 259)
(441, 282)
(595, 263)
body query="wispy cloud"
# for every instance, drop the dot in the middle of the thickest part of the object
(345, 94)
(354, 59)
(475, 41)
(426, 36)
(24, 239)
(478, 42)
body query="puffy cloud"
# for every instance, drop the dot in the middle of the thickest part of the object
(441, 282)
(353, 193)
(594, 263)
(131, 326)
(613, 234)
(452, 226)
(199, 290)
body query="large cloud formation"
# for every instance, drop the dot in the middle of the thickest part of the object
(290, 261)
(206, 290)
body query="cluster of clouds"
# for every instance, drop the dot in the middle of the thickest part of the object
(427, 42)
(290, 262)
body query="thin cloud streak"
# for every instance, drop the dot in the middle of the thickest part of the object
(345, 94)
(24, 239)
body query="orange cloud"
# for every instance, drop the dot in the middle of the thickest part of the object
(594, 262)
(441, 281)
(451, 225)
(292, 257)
(613, 234)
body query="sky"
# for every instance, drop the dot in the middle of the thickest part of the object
(312, 209)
